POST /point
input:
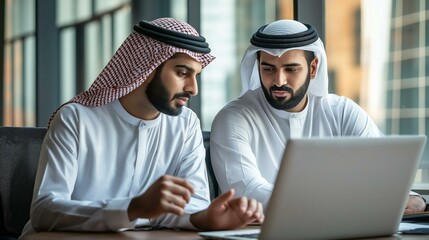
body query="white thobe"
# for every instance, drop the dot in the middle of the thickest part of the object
(248, 137)
(94, 160)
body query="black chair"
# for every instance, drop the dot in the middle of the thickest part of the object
(19, 156)
(213, 185)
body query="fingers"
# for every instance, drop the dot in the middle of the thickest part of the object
(224, 197)
(260, 213)
(180, 185)
(251, 208)
(415, 204)
(175, 194)
(173, 205)
(227, 212)
(247, 208)
(168, 194)
(177, 187)
(168, 197)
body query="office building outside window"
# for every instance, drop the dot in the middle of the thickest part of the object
(407, 85)
(377, 57)
(376, 52)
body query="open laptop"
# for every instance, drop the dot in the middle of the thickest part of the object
(333, 188)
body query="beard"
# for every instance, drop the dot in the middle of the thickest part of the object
(158, 96)
(281, 103)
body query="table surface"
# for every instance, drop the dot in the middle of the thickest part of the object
(159, 234)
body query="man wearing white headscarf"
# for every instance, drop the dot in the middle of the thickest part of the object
(128, 152)
(284, 78)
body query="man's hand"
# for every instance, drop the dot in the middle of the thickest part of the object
(415, 204)
(168, 194)
(226, 212)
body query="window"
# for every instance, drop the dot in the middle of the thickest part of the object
(377, 58)
(231, 23)
(19, 64)
(391, 82)
(88, 40)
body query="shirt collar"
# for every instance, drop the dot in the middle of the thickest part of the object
(120, 110)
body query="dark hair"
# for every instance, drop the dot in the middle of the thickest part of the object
(309, 56)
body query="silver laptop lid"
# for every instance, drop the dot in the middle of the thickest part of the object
(344, 187)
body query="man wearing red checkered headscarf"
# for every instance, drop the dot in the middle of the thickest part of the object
(128, 152)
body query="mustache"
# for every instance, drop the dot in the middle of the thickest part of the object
(281, 88)
(182, 94)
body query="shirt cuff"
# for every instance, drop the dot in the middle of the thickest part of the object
(116, 215)
(413, 193)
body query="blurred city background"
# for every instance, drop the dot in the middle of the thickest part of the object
(378, 53)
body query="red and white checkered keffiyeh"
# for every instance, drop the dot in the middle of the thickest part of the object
(133, 62)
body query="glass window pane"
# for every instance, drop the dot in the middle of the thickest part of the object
(393, 55)
(427, 30)
(409, 98)
(67, 64)
(71, 11)
(83, 10)
(179, 9)
(30, 82)
(394, 9)
(390, 71)
(427, 65)
(21, 18)
(121, 26)
(425, 156)
(427, 102)
(106, 39)
(388, 126)
(24, 20)
(395, 39)
(65, 12)
(408, 126)
(107, 5)
(410, 6)
(216, 17)
(8, 28)
(7, 86)
(410, 36)
(389, 99)
(427, 133)
(92, 53)
(18, 118)
(220, 80)
(410, 68)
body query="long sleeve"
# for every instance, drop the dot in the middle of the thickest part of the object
(57, 203)
(234, 161)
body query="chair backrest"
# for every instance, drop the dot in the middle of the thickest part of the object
(214, 187)
(19, 156)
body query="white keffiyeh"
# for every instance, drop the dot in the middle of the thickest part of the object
(249, 64)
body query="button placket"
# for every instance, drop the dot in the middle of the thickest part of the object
(295, 126)
(141, 155)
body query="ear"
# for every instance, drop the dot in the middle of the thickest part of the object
(313, 67)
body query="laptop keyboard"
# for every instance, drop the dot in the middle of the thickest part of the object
(416, 217)
(247, 235)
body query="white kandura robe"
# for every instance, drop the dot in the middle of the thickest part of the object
(248, 137)
(94, 160)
